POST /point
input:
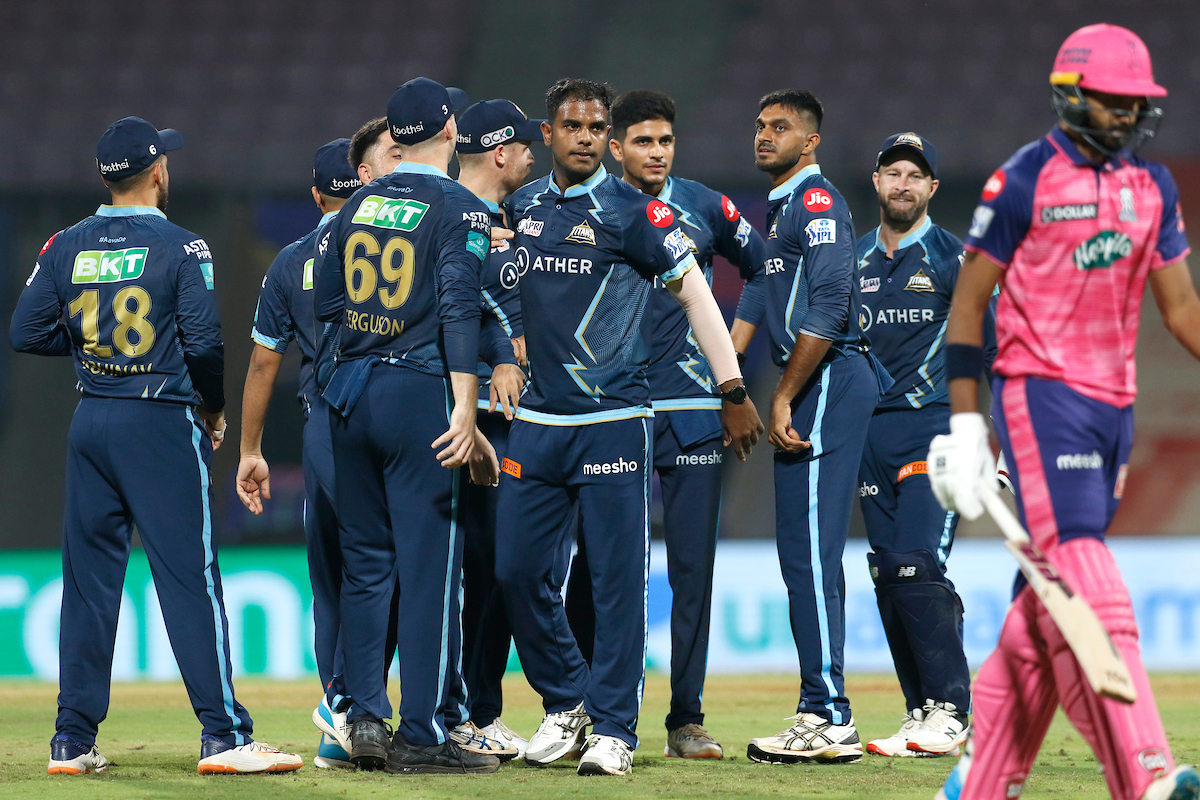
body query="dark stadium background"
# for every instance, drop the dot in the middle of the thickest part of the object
(255, 87)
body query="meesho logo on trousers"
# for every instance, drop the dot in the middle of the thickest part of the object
(610, 467)
(109, 266)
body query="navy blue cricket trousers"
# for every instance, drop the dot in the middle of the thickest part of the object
(399, 513)
(605, 469)
(814, 493)
(143, 463)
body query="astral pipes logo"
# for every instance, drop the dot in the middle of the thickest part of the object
(1102, 250)
(610, 468)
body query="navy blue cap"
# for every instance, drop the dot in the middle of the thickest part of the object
(491, 123)
(132, 144)
(420, 108)
(332, 174)
(909, 144)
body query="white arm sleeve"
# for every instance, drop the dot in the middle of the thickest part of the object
(708, 325)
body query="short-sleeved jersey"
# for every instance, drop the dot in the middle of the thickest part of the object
(131, 297)
(1077, 241)
(905, 305)
(679, 375)
(399, 268)
(586, 258)
(285, 307)
(812, 280)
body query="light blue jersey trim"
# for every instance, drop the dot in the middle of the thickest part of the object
(210, 584)
(567, 420)
(943, 550)
(492, 207)
(500, 315)
(680, 269)
(688, 404)
(326, 218)
(443, 664)
(128, 211)
(265, 341)
(814, 540)
(791, 306)
(579, 189)
(648, 449)
(907, 241)
(914, 398)
(785, 189)
(413, 168)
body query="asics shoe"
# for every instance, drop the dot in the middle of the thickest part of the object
(606, 755)
(502, 733)
(69, 757)
(217, 758)
(811, 739)
(331, 755)
(692, 741)
(369, 743)
(446, 758)
(896, 745)
(942, 732)
(560, 734)
(1181, 783)
(469, 737)
(332, 723)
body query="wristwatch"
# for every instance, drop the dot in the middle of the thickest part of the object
(736, 395)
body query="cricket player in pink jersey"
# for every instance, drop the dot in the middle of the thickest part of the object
(1071, 227)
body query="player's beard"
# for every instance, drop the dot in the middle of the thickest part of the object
(901, 219)
(162, 199)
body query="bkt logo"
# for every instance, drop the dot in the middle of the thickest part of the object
(610, 468)
(109, 266)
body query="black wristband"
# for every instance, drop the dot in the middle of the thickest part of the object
(741, 357)
(963, 361)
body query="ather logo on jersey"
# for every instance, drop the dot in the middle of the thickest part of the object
(1102, 250)
(109, 266)
(400, 215)
(817, 200)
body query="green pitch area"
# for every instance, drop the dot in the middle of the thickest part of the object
(153, 737)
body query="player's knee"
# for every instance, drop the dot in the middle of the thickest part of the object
(892, 568)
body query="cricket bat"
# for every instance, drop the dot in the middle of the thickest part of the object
(1078, 623)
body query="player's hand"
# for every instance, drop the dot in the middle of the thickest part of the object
(215, 425)
(507, 382)
(459, 438)
(961, 466)
(253, 481)
(499, 235)
(782, 434)
(741, 426)
(519, 351)
(485, 467)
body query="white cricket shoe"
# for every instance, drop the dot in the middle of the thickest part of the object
(812, 739)
(896, 745)
(502, 733)
(218, 758)
(952, 788)
(942, 732)
(331, 755)
(68, 757)
(560, 734)
(1181, 783)
(470, 737)
(332, 723)
(606, 755)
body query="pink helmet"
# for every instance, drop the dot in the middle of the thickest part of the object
(1106, 58)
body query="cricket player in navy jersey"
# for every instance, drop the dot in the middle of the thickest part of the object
(819, 415)
(588, 247)
(284, 313)
(129, 296)
(373, 151)
(494, 157)
(907, 268)
(399, 269)
(687, 424)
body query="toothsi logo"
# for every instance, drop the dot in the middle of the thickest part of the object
(109, 266)
(610, 468)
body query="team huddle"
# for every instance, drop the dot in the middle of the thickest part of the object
(492, 367)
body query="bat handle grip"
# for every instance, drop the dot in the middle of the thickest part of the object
(1010, 526)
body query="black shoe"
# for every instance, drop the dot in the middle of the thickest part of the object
(446, 758)
(369, 740)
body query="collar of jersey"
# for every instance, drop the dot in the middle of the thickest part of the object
(414, 168)
(665, 194)
(780, 192)
(127, 211)
(907, 241)
(492, 207)
(580, 189)
(1064, 145)
(326, 218)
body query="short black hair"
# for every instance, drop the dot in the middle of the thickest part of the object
(364, 139)
(132, 182)
(640, 105)
(797, 100)
(576, 89)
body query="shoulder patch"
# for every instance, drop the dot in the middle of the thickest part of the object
(206, 269)
(36, 268)
(821, 231)
(198, 248)
(981, 221)
(817, 200)
(994, 186)
(729, 209)
(659, 214)
(743, 232)
(478, 244)
(49, 241)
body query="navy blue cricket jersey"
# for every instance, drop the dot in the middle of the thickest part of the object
(130, 296)
(679, 374)
(285, 307)
(905, 305)
(399, 268)
(812, 285)
(501, 296)
(586, 258)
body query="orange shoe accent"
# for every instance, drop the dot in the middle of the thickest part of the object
(215, 769)
(63, 771)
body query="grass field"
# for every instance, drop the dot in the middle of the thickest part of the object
(153, 738)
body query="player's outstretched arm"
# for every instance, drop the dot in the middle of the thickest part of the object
(1177, 302)
(976, 281)
(740, 422)
(254, 474)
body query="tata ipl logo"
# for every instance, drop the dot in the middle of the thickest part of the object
(400, 215)
(109, 266)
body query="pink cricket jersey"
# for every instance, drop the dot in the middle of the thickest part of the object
(1077, 241)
